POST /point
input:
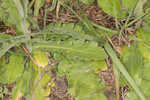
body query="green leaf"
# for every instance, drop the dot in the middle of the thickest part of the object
(111, 7)
(37, 6)
(74, 30)
(129, 6)
(13, 14)
(132, 96)
(4, 37)
(99, 66)
(147, 5)
(13, 70)
(142, 77)
(87, 2)
(84, 87)
(144, 86)
(40, 92)
(7, 42)
(117, 8)
(139, 7)
(74, 49)
(6, 90)
(40, 58)
(132, 59)
(54, 3)
(22, 87)
(144, 34)
(146, 71)
(144, 51)
(1, 95)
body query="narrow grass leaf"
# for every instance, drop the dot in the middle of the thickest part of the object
(122, 69)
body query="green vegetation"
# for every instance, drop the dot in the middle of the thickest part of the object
(77, 51)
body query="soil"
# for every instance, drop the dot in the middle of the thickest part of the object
(93, 12)
(59, 91)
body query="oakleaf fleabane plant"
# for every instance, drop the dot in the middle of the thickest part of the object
(79, 56)
(67, 41)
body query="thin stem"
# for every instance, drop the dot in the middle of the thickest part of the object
(117, 76)
(31, 4)
(135, 20)
(116, 23)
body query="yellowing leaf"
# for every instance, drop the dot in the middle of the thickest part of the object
(19, 96)
(22, 86)
(145, 51)
(99, 66)
(41, 92)
(40, 58)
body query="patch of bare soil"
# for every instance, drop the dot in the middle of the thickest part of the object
(6, 95)
(93, 12)
(59, 91)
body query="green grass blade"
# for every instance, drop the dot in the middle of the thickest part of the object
(54, 3)
(139, 17)
(9, 46)
(104, 28)
(122, 69)
(22, 16)
(85, 21)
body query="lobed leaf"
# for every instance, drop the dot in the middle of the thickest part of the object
(83, 82)
(74, 49)
(70, 29)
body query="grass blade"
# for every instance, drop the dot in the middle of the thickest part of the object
(122, 69)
